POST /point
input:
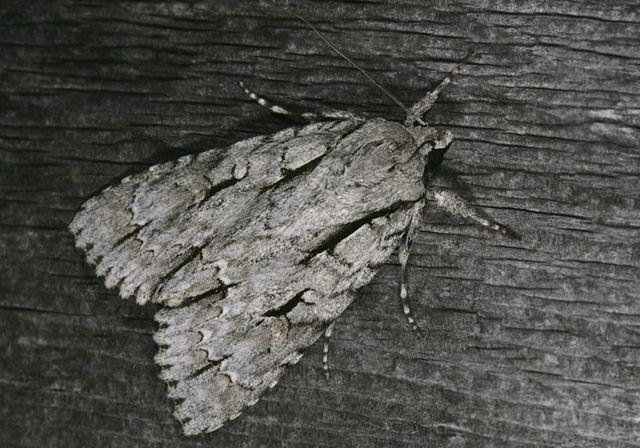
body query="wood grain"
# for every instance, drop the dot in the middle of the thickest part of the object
(529, 344)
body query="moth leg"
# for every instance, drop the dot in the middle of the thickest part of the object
(405, 251)
(457, 206)
(307, 116)
(421, 107)
(325, 350)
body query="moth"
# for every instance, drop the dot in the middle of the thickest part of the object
(254, 250)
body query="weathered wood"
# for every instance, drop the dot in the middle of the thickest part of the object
(534, 343)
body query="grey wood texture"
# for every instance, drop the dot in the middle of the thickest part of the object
(528, 344)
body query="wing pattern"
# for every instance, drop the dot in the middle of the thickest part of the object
(253, 250)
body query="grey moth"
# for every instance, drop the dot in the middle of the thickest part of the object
(254, 250)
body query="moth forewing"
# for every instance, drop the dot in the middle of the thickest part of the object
(253, 262)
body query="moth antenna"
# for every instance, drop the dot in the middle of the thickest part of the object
(421, 107)
(356, 65)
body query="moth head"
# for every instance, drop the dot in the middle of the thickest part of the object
(432, 144)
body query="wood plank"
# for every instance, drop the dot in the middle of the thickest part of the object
(529, 344)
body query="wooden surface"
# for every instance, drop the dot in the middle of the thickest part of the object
(529, 344)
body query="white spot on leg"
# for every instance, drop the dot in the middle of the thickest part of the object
(403, 292)
(262, 102)
(279, 110)
(328, 331)
(406, 309)
(325, 350)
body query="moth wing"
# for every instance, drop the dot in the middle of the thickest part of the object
(153, 236)
(331, 224)
(254, 250)
(212, 374)
(220, 353)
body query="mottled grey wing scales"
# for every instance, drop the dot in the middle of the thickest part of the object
(151, 235)
(221, 353)
(253, 250)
